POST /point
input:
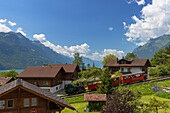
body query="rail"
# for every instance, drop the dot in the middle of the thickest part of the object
(157, 79)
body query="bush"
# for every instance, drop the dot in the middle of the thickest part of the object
(163, 70)
(163, 94)
(123, 101)
(153, 71)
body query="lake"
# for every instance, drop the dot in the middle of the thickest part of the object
(18, 70)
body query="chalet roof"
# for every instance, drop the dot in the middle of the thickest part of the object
(94, 97)
(19, 83)
(134, 62)
(69, 68)
(43, 72)
(4, 80)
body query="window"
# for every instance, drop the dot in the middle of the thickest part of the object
(57, 88)
(34, 101)
(35, 83)
(10, 103)
(44, 83)
(2, 104)
(122, 69)
(26, 102)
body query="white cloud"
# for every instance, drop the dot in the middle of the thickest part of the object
(19, 30)
(110, 28)
(154, 22)
(83, 49)
(139, 2)
(4, 28)
(12, 23)
(3, 20)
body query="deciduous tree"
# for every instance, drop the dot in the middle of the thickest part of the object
(108, 57)
(130, 55)
(77, 59)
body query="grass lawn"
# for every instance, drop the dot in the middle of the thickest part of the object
(147, 98)
(79, 106)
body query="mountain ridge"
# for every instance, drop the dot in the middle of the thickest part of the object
(18, 52)
(152, 46)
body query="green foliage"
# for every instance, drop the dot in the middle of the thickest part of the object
(76, 99)
(106, 87)
(153, 71)
(163, 70)
(77, 59)
(121, 101)
(118, 73)
(144, 89)
(11, 73)
(108, 57)
(95, 72)
(159, 57)
(130, 55)
(165, 83)
(163, 94)
(167, 49)
(96, 105)
(155, 105)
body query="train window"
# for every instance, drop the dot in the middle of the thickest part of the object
(138, 75)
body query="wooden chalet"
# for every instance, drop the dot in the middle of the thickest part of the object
(5, 80)
(52, 77)
(20, 96)
(127, 66)
(96, 101)
(71, 72)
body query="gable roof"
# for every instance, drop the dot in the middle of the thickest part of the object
(43, 72)
(19, 83)
(94, 97)
(4, 80)
(69, 68)
(134, 62)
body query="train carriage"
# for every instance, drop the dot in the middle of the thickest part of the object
(128, 78)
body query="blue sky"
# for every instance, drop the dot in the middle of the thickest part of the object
(93, 28)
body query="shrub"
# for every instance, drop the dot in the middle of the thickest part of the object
(153, 71)
(163, 94)
(121, 102)
(162, 70)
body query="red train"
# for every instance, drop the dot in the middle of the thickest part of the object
(128, 78)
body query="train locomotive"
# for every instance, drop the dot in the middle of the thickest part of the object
(74, 89)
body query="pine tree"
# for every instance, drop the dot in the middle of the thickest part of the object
(106, 87)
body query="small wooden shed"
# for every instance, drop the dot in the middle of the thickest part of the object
(22, 97)
(96, 101)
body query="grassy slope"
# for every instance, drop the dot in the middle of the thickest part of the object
(79, 104)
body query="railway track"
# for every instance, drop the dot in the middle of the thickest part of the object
(156, 80)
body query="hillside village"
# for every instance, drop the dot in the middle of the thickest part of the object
(44, 88)
(79, 56)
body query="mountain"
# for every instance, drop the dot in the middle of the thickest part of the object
(153, 45)
(18, 52)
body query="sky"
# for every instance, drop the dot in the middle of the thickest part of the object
(94, 28)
